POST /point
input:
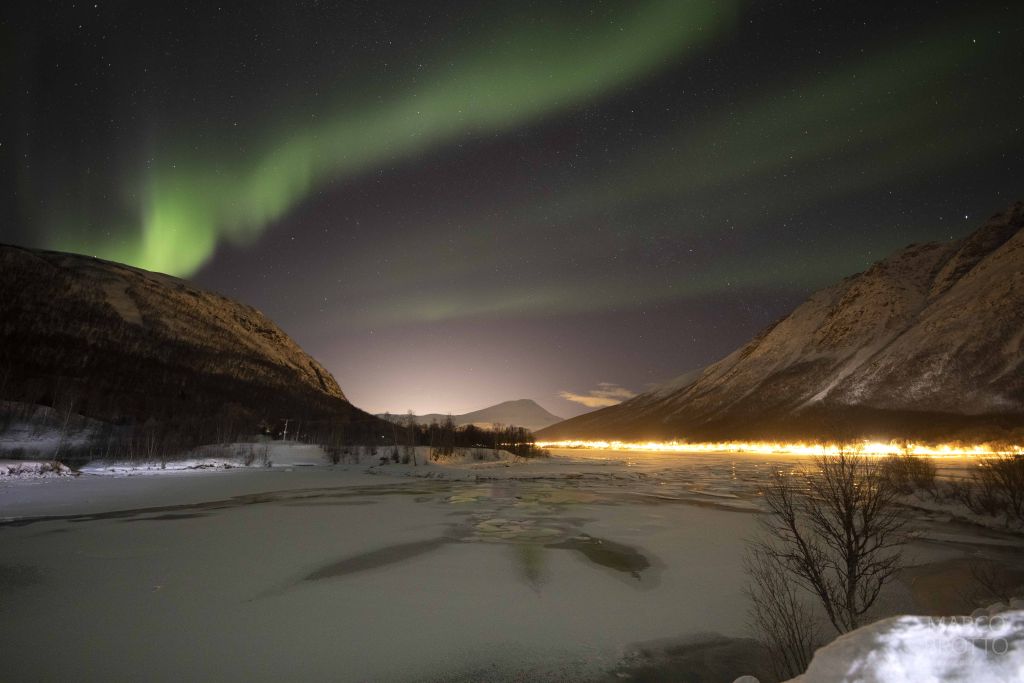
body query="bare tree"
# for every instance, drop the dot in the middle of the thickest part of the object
(781, 618)
(150, 443)
(1000, 482)
(393, 421)
(444, 445)
(263, 455)
(5, 374)
(992, 581)
(410, 437)
(837, 531)
(64, 410)
(497, 428)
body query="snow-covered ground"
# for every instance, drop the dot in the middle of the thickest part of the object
(33, 469)
(225, 456)
(575, 567)
(907, 649)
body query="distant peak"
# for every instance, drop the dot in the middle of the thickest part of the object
(521, 412)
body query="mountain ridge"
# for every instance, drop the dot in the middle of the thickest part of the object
(126, 346)
(924, 343)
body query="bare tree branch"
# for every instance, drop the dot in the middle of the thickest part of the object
(836, 530)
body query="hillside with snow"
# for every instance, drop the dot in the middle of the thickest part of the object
(522, 412)
(927, 343)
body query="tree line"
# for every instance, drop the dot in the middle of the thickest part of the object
(397, 438)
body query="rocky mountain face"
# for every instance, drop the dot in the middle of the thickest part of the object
(927, 343)
(520, 413)
(128, 346)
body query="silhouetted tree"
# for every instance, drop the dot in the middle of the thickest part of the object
(837, 532)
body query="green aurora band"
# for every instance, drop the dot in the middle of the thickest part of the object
(867, 125)
(192, 199)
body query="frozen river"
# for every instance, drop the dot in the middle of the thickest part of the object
(561, 570)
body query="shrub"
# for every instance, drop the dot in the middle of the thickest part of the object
(956, 490)
(263, 454)
(998, 486)
(779, 616)
(993, 581)
(836, 532)
(909, 473)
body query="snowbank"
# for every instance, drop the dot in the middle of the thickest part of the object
(984, 647)
(293, 454)
(33, 469)
(221, 457)
(122, 468)
(289, 454)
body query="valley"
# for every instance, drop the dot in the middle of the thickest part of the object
(585, 565)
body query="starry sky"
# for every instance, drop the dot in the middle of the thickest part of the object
(452, 204)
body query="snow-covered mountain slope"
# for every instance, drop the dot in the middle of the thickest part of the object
(126, 345)
(523, 412)
(928, 342)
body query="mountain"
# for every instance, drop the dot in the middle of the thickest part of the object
(520, 413)
(128, 346)
(928, 343)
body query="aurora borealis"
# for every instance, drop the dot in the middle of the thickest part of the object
(196, 192)
(452, 204)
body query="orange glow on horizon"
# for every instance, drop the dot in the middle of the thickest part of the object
(879, 448)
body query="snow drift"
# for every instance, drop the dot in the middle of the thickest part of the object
(983, 647)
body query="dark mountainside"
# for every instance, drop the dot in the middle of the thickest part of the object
(522, 412)
(131, 347)
(928, 343)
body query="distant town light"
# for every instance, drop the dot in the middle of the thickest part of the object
(876, 448)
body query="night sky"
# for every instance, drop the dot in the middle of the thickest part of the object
(451, 204)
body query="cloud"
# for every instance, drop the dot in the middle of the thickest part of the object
(606, 394)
